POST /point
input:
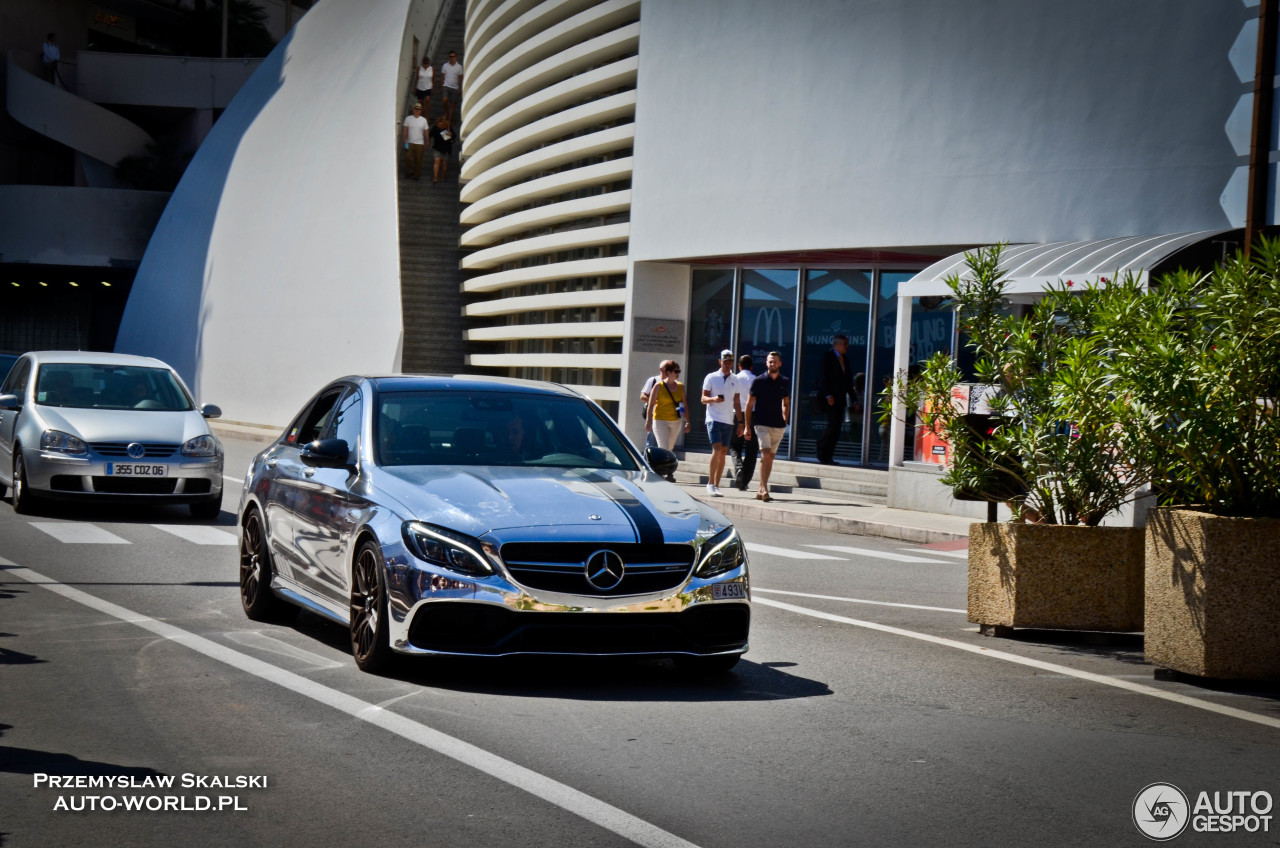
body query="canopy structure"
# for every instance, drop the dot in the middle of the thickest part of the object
(1033, 267)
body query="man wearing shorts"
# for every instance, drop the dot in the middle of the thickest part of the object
(769, 411)
(717, 396)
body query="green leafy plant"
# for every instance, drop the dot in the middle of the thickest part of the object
(1059, 445)
(1197, 362)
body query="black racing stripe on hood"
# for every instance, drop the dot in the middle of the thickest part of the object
(648, 530)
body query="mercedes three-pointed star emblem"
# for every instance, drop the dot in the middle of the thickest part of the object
(604, 570)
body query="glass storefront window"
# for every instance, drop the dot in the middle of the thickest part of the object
(835, 301)
(710, 331)
(932, 323)
(768, 322)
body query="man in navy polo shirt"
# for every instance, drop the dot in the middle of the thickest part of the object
(769, 411)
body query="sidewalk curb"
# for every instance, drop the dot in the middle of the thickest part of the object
(777, 514)
(247, 432)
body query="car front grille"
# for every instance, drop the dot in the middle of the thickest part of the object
(464, 627)
(135, 485)
(561, 566)
(153, 450)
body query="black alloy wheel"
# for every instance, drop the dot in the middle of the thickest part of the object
(256, 571)
(369, 642)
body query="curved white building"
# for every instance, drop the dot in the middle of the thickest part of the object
(548, 124)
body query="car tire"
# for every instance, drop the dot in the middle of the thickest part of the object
(207, 510)
(256, 572)
(369, 642)
(24, 503)
(707, 666)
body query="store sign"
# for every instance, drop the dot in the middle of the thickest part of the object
(657, 335)
(112, 23)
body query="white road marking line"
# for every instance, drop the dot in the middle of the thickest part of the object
(856, 600)
(868, 552)
(199, 534)
(957, 554)
(789, 553)
(1118, 683)
(235, 481)
(566, 797)
(73, 533)
(262, 642)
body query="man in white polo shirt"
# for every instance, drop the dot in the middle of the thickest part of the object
(718, 393)
(415, 142)
(452, 84)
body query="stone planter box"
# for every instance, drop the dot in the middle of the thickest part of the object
(1055, 577)
(1212, 588)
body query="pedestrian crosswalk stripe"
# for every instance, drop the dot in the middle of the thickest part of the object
(75, 533)
(868, 552)
(956, 554)
(789, 553)
(199, 534)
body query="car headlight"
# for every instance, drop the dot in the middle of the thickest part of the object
(60, 442)
(446, 548)
(201, 446)
(722, 552)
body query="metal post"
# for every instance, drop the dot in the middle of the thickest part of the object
(1260, 139)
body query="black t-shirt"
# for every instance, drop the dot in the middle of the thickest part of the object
(769, 393)
(439, 142)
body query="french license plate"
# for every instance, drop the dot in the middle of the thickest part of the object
(726, 591)
(136, 469)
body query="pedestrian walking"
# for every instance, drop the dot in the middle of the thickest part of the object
(441, 148)
(834, 386)
(667, 409)
(649, 440)
(426, 78)
(452, 73)
(50, 57)
(769, 412)
(743, 452)
(415, 142)
(719, 395)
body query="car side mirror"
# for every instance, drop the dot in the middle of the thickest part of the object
(11, 402)
(661, 460)
(326, 453)
(209, 410)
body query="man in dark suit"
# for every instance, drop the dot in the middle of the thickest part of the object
(834, 388)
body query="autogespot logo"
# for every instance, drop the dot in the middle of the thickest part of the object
(1160, 811)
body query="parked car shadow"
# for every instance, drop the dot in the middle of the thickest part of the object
(33, 761)
(130, 513)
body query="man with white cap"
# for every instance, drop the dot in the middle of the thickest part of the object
(718, 393)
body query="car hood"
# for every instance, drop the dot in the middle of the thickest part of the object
(570, 503)
(125, 425)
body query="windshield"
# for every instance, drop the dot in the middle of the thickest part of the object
(87, 386)
(495, 428)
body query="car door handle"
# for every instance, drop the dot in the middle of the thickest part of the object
(271, 463)
(309, 473)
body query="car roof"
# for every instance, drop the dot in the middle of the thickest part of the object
(95, 358)
(464, 383)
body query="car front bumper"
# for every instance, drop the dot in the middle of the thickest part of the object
(85, 478)
(435, 611)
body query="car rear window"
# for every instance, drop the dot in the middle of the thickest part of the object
(495, 428)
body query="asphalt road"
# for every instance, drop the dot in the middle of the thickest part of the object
(868, 712)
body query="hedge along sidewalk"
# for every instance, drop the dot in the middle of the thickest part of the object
(816, 512)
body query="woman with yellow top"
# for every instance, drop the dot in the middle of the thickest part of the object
(667, 408)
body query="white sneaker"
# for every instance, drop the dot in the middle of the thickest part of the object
(711, 490)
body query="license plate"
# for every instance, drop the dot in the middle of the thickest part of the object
(727, 591)
(136, 469)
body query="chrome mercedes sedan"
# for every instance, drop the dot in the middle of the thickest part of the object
(486, 517)
(77, 425)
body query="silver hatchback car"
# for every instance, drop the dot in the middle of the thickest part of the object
(486, 517)
(87, 426)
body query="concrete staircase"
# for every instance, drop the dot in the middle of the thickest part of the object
(430, 276)
(856, 485)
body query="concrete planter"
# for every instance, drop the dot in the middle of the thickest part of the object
(1212, 585)
(1054, 576)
